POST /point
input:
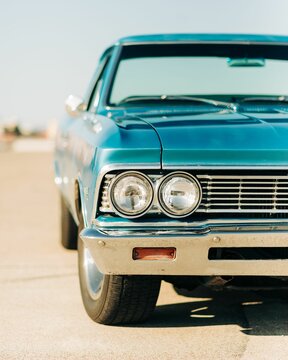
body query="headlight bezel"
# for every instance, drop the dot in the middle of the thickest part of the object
(114, 182)
(165, 179)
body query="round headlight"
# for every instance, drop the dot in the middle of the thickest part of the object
(131, 194)
(179, 194)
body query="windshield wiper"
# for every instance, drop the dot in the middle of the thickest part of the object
(267, 99)
(160, 98)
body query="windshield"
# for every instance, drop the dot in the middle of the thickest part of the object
(212, 71)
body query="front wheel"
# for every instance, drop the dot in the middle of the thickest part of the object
(69, 229)
(115, 299)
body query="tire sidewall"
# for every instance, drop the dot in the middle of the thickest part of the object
(69, 229)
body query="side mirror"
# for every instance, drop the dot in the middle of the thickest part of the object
(74, 105)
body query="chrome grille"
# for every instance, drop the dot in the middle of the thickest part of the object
(104, 202)
(228, 194)
(246, 194)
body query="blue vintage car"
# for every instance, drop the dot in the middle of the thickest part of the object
(174, 166)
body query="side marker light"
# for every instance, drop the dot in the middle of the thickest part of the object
(154, 253)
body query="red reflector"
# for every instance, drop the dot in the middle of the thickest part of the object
(154, 253)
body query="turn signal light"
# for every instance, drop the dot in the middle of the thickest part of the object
(154, 253)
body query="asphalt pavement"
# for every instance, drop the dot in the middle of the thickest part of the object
(41, 313)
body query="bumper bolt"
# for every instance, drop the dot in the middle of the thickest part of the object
(216, 239)
(101, 243)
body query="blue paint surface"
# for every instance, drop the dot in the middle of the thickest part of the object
(168, 136)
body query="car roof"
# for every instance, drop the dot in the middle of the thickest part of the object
(233, 38)
(198, 38)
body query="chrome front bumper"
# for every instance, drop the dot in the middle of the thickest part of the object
(112, 252)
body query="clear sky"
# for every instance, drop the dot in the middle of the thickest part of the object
(49, 48)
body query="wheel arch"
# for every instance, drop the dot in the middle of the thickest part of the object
(79, 202)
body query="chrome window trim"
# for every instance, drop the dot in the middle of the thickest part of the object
(203, 42)
(106, 88)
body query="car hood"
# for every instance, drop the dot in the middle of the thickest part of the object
(222, 139)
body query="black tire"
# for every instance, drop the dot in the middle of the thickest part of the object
(69, 229)
(116, 299)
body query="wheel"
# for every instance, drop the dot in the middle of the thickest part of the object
(69, 229)
(115, 299)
